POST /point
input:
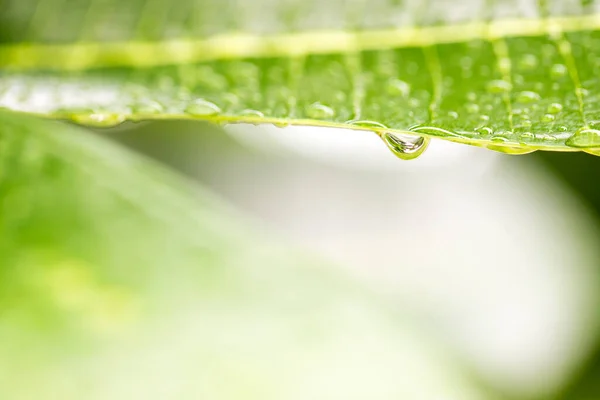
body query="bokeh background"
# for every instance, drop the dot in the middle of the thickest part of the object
(495, 255)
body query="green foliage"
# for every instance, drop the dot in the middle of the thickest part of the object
(513, 77)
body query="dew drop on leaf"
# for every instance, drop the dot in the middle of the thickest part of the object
(528, 61)
(101, 120)
(252, 113)
(201, 107)
(585, 138)
(528, 97)
(548, 118)
(558, 71)
(486, 131)
(472, 108)
(319, 111)
(405, 146)
(397, 87)
(498, 86)
(148, 108)
(554, 108)
(366, 124)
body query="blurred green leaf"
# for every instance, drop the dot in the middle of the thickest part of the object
(119, 280)
(512, 76)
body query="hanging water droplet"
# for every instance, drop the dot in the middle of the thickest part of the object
(558, 71)
(548, 118)
(397, 87)
(585, 138)
(405, 146)
(201, 107)
(528, 97)
(319, 111)
(555, 108)
(499, 86)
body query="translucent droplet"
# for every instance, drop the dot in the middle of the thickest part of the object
(252, 113)
(367, 124)
(548, 118)
(528, 61)
(585, 138)
(281, 124)
(453, 115)
(555, 108)
(486, 131)
(148, 108)
(526, 136)
(397, 87)
(319, 111)
(499, 86)
(526, 123)
(98, 119)
(484, 118)
(558, 71)
(472, 108)
(528, 97)
(510, 149)
(201, 107)
(405, 146)
(582, 92)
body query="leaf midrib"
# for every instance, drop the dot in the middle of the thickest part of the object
(138, 54)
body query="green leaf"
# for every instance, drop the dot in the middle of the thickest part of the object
(513, 76)
(119, 280)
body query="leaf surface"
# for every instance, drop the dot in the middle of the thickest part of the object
(513, 76)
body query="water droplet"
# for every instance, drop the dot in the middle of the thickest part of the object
(528, 61)
(528, 97)
(405, 146)
(510, 149)
(585, 138)
(366, 124)
(484, 118)
(281, 124)
(472, 108)
(525, 136)
(558, 70)
(471, 96)
(582, 92)
(202, 107)
(498, 86)
(548, 118)
(148, 108)
(414, 102)
(555, 108)
(526, 123)
(319, 111)
(252, 113)
(98, 119)
(453, 115)
(397, 87)
(486, 131)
